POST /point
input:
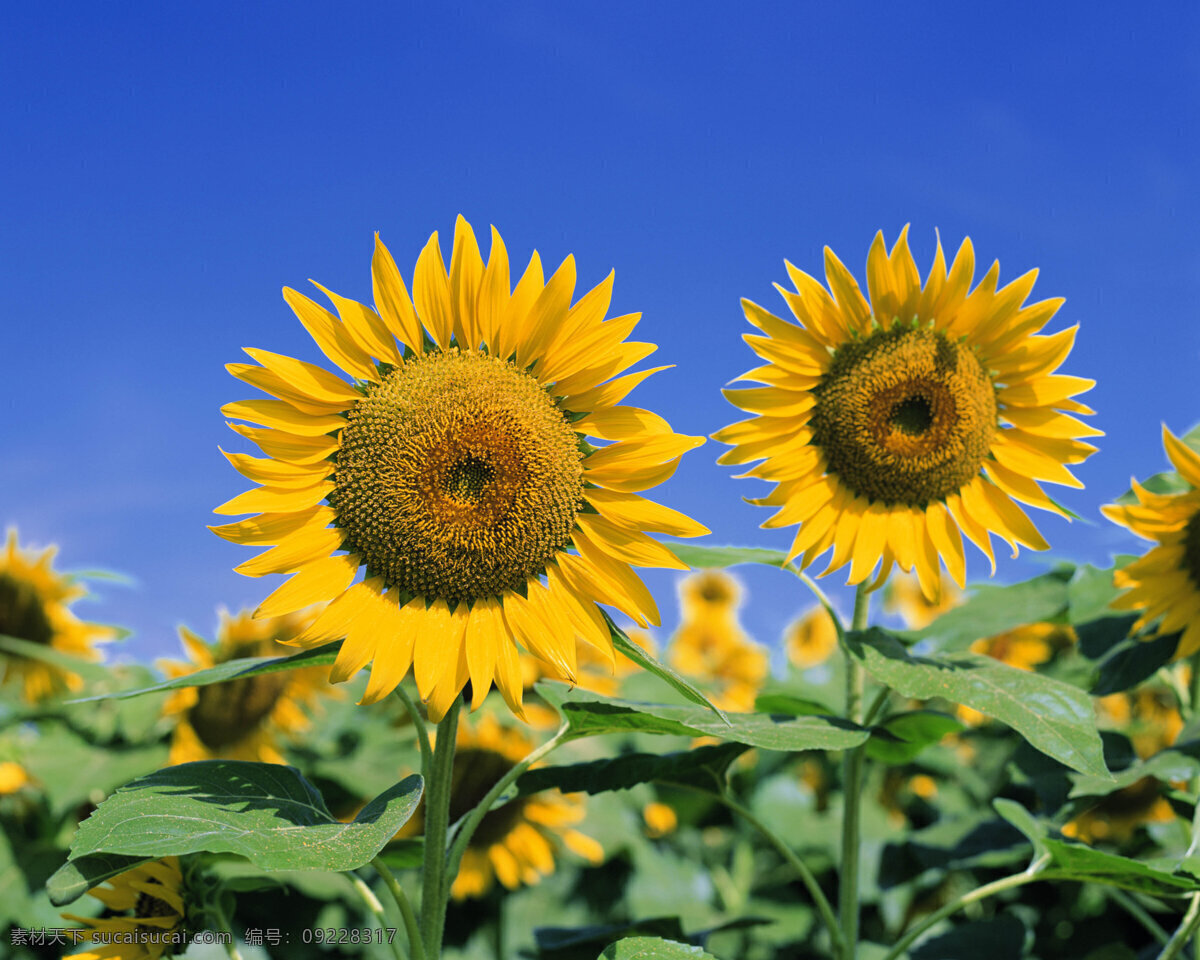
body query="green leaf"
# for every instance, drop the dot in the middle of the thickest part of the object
(1089, 593)
(76, 877)
(1078, 861)
(790, 704)
(696, 555)
(997, 938)
(902, 737)
(1133, 661)
(704, 766)
(1052, 716)
(1178, 763)
(647, 662)
(56, 658)
(14, 893)
(589, 714)
(653, 948)
(993, 609)
(265, 812)
(581, 943)
(232, 670)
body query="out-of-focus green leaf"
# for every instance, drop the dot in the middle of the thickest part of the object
(73, 771)
(1054, 717)
(697, 555)
(653, 948)
(265, 812)
(232, 670)
(997, 938)
(1100, 637)
(1089, 593)
(660, 670)
(1078, 861)
(1180, 762)
(977, 840)
(405, 854)
(589, 714)
(902, 737)
(14, 892)
(87, 669)
(993, 609)
(1133, 661)
(790, 705)
(704, 766)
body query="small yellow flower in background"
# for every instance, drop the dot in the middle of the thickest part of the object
(34, 601)
(905, 597)
(241, 719)
(148, 908)
(1166, 581)
(13, 777)
(455, 473)
(1026, 647)
(1117, 816)
(660, 819)
(890, 424)
(810, 639)
(711, 645)
(514, 844)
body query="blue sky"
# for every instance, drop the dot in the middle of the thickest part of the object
(168, 168)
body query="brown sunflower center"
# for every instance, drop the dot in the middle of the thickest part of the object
(225, 713)
(905, 416)
(22, 612)
(457, 477)
(476, 771)
(1191, 548)
(149, 906)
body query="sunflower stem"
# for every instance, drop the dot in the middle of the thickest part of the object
(852, 780)
(434, 885)
(463, 837)
(229, 941)
(422, 730)
(375, 908)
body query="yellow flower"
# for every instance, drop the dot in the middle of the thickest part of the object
(34, 601)
(1166, 581)
(13, 777)
(1149, 716)
(711, 645)
(514, 844)
(811, 638)
(905, 597)
(149, 909)
(890, 424)
(455, 472)
(1118, 815)
(660, 819)
(1025, 647)
(241, 719)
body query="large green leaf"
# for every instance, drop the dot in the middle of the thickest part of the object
(589, 714)
(1078, 861)
(661, 670)
(704, 766)
(993, 609)
(653, 948)
(232, 670)
(696, 555)
(267, 813)
(76, 877)
(1054, 717)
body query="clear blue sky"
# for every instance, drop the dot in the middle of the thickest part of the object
(167, 168)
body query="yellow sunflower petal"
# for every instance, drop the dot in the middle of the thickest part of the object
(392, 300)
(330, 336)
(431, 292)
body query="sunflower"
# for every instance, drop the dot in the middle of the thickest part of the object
(710, 643)
(33, 607)
(146, 906)
(1166, 581)
(240, 719)
(905, 597)
(890, 424)
(455, 471)
(515, 843)
(810, 639)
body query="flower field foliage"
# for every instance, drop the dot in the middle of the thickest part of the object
(456, 730)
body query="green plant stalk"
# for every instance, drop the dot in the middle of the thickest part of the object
(375, 908)
(1191, 920)
(824, 908)
(472, 820)
(853, 762)
(229, 941)
(435, 887)
(415, 947)
(974, 896)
